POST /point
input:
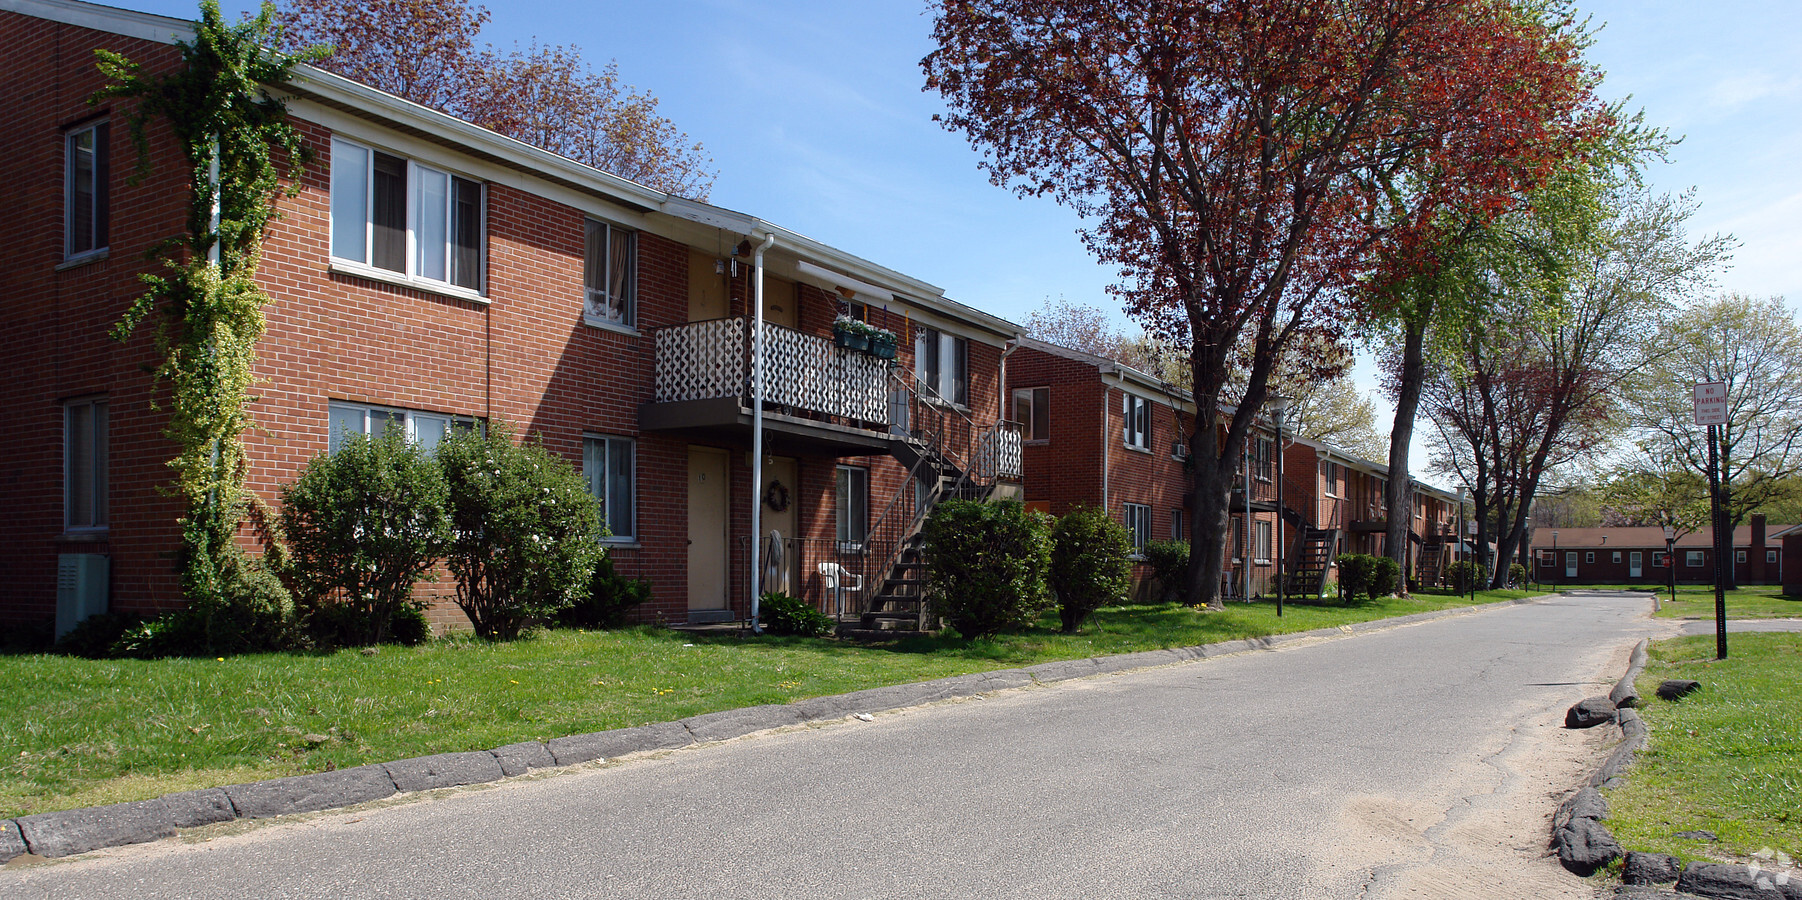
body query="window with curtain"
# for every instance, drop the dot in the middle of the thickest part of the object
(608, 274)
(401, 216)
(1032, 411)
(608, 464)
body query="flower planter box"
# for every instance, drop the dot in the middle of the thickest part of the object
(851, 340)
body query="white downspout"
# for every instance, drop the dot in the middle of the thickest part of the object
(757, 431)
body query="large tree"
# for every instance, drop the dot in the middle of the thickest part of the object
(547, 96)
(1232, 155)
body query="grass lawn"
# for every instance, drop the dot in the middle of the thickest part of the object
(1696, 601)
(84, 732)
(1726, 759)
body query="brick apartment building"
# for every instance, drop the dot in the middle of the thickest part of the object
(1101, 433)
(1637, 555)
(433, 275)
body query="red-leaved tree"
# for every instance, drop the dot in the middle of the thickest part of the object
(1241, 158)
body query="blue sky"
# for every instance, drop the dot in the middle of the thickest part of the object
(815, 119)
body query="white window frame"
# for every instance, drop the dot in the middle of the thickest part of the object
(1770, 557)
(1136, 411)
(1262, 549)
(1589, 557)
(947, 382)
(1617, 557)
(851, 508)
(85, 461)
(1137, 519)
(1264, 459)
(94, 242)
(598, 304)
(1658, 559)
(1329, 477)
(1176, 525)
(422, 427)
(1692, 559)
(1036, 426)
(1739, 557)
(345, 202)
(598, 453)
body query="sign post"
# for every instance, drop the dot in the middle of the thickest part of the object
(1711, 410)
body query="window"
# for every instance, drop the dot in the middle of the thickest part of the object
(1329, 478)
(375, 421)
(1658, 560)
(86, 170)
(1138, 524)
(1176, 525)
(853, 498)
(609, 463)
(1739, 556)
(1263, 545)
(1770, 556)
(84, 465)
(1031, 411)
(395, 214)
(608, 267)
(1265, 456)
(1589, 556)
(1137, 413)
(1547, 558)
(1617, 557)
(1692, 559)
(942, 365)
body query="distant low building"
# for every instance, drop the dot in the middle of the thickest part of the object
(1637, 555)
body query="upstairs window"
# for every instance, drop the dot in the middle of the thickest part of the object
(1031, 410)
(86, 169)
(405, 217)
(610, 264)
(1137, 412)
(942, 366)
(1265, 457)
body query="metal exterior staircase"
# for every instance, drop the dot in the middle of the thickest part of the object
(1310, 562)
(1430, 565)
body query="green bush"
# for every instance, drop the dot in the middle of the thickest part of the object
(1169, 562)
(524, 531)
(364, 524)
(94, 636)
(1385, 574)
(781, 614)
(343, 625)
(1089, 565)
(1356, 572)
(986, 565)
(1460, 575)
(610, 600)
(1517, 574)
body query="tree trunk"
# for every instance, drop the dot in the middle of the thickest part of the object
(1210, 493)
(1396, 493)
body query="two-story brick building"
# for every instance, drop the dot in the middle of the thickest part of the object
(431, 274)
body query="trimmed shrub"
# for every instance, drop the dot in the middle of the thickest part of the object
(364, 524)
(1517, 574)
(524, 531)
(986, 565)
(1356, 571)
(610, 600)
(1385, 574)
(781, 614)
(1089, 565)
(1460, 575)
(1169, 562)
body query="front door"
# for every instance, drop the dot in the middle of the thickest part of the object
(1570, 564)
(708, 561)
(1633, 564)
(781, 490)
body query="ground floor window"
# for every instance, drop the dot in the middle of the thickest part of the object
(1263, 546)
(84, 464)
(852, 496)
(609, 464)
(1138, 525)
(1692, 559)
(425, 428)
(1176, 525)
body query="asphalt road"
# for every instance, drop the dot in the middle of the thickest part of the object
(1417, 761)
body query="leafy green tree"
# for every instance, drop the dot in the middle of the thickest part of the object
(524, 530)
(364, 524)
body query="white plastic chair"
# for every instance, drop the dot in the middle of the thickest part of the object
(837, 579)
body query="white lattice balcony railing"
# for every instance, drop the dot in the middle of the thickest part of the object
(803, 372)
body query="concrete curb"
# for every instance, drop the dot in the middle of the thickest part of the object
(68, 832)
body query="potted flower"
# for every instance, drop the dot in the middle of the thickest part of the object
(850, 333)
(882, 343)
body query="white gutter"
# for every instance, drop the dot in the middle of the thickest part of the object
(757, 432)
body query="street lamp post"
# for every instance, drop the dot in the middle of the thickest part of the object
(1670, 558)
(1279, 406)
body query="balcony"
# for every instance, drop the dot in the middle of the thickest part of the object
(819, 398)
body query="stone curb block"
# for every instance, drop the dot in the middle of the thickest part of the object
(581, 748)
(424, 773)
(1061, 670)
(730, 723)
(11, 842)
(517, 759)
(1625, 695)
(310, 793)
(1633, 737)
(192, 809)
(1582, 843)
(72, 831)
(1736, 883)
(1305, 635)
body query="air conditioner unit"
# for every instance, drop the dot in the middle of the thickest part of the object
(81, 581)
(1179, 450)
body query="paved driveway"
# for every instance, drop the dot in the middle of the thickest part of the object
(1418, 761)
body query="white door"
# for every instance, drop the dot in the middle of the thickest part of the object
(1570, 564)
(1633, 564)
